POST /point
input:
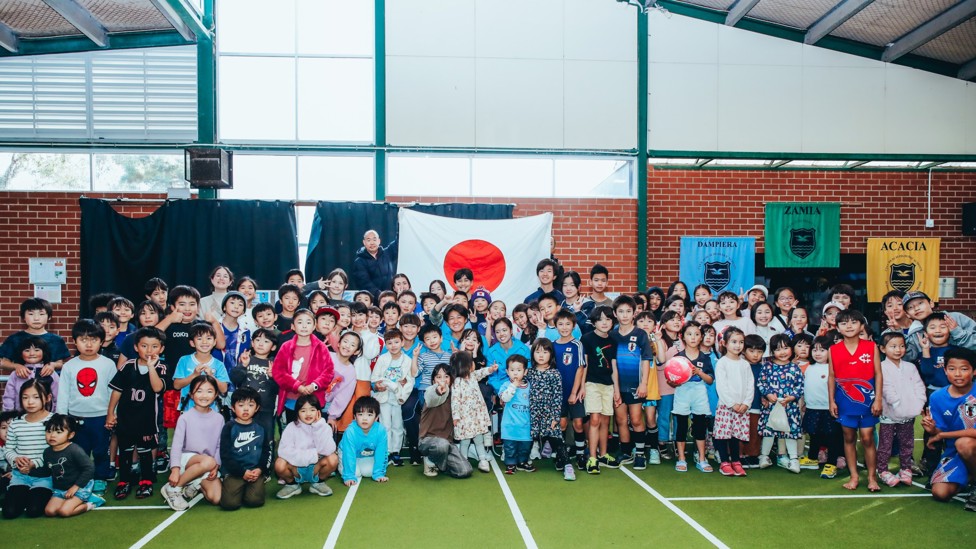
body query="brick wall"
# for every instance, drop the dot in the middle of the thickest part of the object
(874, 204)
(580, 240)
(45, 224)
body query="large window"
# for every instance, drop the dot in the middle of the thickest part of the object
(84, 171)
(302, 178)
(491, 175)
(122, 95)
(297, 71)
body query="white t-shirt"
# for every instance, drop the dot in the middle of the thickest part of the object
(815, 387)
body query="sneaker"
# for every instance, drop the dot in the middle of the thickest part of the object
(625, 459)
(190, 491)
(681, 466)
(971, 502)
(289, 490)
(396, 460)
(704, 467)
(509, 469)
(122, 490)
(640, 462)
(794, 466)
(162, 462)
(783, 461)
(666, 451)
(430, 469)
(546, 451)
(144, 490)
(737, 469)
(484, 466)
(807, 463)
(95, 501)
(569, 473)
(749, 462)
(534, 452)
(581, 461)
(765, 462)
(905, 477)
(654, 457)
(320, 489)
(841, 463)
(608, 461)
(414, 456)
(890, 479)
(592, 466)
(174, 497)
(726, 469)
(917, 471)
(98, 487)
(828, 471)
(526, 467)
(113, 472)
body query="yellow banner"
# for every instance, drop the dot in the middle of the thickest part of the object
(906, 264)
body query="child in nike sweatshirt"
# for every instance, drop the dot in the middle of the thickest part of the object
(245, 453)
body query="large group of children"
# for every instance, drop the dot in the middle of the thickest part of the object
(316, 385)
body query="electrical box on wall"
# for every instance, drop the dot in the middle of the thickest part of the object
(947, 288)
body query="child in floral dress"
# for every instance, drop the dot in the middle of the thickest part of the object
(471, 420)
(781, 382)
(545, 404)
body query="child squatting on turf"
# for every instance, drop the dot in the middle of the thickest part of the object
(362, 450)
(307, 451)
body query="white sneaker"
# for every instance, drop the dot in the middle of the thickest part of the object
(569, 473)
(794, 466)
(174, 498)
(534, 453)
(765, 462)
(289, 490)
(320, 489)
(430, 469)
(190, 491)
(484, 466)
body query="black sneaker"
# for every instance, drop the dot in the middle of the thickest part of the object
(640, 462)
(608, 461)
(527, 467)
(122, 490)
(581, 461)
(509, 469)
(971, 502)
(112, 471)
(592, 466)
(625, 459)
(396, 460)
(162, 461)
(145, 489)
(415, 456)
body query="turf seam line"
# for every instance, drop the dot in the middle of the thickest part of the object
(162, 525)
(340, 519)
(513, 507)
(676, 510)
(131, 507)
(822, 496)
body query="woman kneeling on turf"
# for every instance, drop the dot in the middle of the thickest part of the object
(307, 452)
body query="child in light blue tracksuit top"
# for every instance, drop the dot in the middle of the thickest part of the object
(363, 449)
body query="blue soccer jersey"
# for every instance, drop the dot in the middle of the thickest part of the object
(952, 414)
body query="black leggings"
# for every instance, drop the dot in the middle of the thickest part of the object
(728, 450)
(699, 427)
(23, 498)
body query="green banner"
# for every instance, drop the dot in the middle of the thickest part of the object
(802, 234)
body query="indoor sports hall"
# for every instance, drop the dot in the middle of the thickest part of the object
(801, 150)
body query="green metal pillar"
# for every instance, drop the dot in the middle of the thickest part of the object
(207, 86)
(642, 150)
(379, 112)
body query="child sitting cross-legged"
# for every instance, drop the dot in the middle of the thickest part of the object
(70, 469)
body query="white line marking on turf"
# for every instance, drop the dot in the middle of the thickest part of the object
(340, 519)
(928, 492)
(674, 508)
(823, 496)
(130, 507)
(513, 506)
(162, 525)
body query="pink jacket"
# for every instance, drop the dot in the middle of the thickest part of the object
(320, 370)
(902, 390)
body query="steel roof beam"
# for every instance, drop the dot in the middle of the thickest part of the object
(739, 10)
(834, 18)
(82, 19)
(174, 19)
(968, 71)
(932, 28)
(8, 39)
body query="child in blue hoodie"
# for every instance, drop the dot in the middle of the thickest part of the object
(362, 451)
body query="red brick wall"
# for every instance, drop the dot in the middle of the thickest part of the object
(44, 224)
(874, 204)
(587, 231)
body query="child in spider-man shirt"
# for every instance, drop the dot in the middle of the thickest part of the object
(85, 395)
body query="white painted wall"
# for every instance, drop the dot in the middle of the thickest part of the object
(716, 88)
(512, 73)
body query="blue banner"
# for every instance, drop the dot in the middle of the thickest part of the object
(723, 263)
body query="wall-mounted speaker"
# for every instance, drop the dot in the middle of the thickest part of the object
(209, 168)
(969, 219)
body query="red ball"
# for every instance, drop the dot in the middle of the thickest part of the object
(677, 370)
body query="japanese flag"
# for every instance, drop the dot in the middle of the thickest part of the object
(502, 254)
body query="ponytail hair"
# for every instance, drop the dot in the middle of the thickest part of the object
(195, 384)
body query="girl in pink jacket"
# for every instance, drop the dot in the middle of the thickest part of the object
(302, 366)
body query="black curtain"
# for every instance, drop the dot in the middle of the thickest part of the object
(182, 242)
(338, 227)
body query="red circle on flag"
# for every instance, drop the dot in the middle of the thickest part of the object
(484, 259)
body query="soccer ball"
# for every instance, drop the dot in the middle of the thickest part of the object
(677, 370)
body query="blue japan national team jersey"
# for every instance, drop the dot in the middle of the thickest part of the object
(952, 414)
(631, 350)
(569, 358)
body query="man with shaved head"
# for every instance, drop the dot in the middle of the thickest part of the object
(374, 266)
